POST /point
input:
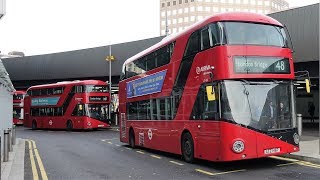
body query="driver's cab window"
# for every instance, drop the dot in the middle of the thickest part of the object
(206, 106)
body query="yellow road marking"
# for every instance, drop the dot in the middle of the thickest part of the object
(141, 152)
(284, 159)
(302, 163)
(309, 164)
(204, 172)
(110, 142)
(177, 163)
(219, 173)
(154, 156)
(33, 164)
(41, 167)
(286, 164)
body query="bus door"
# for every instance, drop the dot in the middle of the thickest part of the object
(205, 114)
(77, 115)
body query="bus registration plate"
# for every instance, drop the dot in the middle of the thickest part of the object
(271, 151)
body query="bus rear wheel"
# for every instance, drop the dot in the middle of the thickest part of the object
(131, 139)
(69, 125)
(187, 147)
(34, 125)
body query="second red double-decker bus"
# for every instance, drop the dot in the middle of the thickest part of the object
(68, 105)
(222, 90)
(18, 107)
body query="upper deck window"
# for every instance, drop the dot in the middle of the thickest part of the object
(241, 33)
(148, 62)
(17, 97)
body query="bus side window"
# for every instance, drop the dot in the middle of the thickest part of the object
(193, 44)
(214, 34)
(205, 39)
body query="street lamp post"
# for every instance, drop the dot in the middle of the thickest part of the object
(110, 58)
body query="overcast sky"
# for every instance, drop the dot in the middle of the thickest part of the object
(48, 26)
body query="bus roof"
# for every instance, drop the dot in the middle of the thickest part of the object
(229, 16)
(63, 83)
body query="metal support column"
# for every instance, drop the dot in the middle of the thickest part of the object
(6, 146)
(299, 124)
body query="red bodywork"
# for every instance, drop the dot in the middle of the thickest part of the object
(213, 141)
(60, 122)
(18, 106)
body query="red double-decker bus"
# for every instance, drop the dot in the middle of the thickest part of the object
(18, 107)
(68, 105)
(221, 90)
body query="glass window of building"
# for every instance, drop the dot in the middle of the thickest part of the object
(174, 3)
(169, 13)
(192, 9)
(186, 10)
(267, 3)
(259, 2)
(230, 1)
(215, 9)
(180, 20)
(223, 10)
(253, 2)
(174, 12)
(163, 5)
(180, 11)
(208, 9)
(174, 21)
(245, 1)
(192, 18)
(163, 13)
(199, 8)
(200, 18)
(168, 4)
(163, 23)
(238, 1)
(186, 1)
(186, 19)
(260, 11)
(174, 30)
(180, 1)
(169, 22)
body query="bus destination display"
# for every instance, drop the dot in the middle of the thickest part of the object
(261, 65)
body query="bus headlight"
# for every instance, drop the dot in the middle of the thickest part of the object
(296, 138)
(238, 146)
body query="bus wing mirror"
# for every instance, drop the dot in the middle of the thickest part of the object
(307, 86)
(211, 96)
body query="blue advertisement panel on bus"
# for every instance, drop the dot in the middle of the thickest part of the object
(146, 85)
(44, 101)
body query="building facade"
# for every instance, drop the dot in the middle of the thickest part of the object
(183, 13)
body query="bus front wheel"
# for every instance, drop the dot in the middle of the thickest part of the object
(187, 147)
(69, 125)
(34, 125)
(131, 139)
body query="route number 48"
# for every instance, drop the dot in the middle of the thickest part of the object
(280, 66)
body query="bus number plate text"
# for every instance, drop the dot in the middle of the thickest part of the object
(271, 151)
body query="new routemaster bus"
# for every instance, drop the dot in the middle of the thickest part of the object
(18, 107)
(68, 105)
(221, 90)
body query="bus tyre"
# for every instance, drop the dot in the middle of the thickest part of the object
(131, 139)
(34, 125)
(187, 147)
(69, 125)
